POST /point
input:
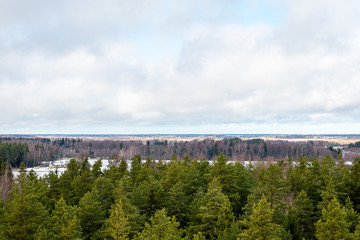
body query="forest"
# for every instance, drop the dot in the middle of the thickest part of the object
(33, 151)
(302, 198)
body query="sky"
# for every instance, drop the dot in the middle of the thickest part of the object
(180, 66)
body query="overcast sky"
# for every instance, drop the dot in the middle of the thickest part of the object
(180, 66)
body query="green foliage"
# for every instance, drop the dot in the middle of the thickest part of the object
(260, 224)
(105, 190)
(136, 166)
(232, 232)
(186, 199)
(357, 231)
(82, 183)
(333, 224)
(177, 204)
(198, 236)
(327, 195)
(63, 223)
(351, 215)
(115, 173)
(227, 174)
(161, 227)
(91, 214)
(24, 212)
(96, 169)
(149, 196)
(272, 184)
(303, 217)
(117, 225)
(353, 184)
(215, 214)
(13, 153)
(134, 219)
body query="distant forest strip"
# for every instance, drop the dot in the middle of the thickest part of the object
(33, 151)
(302, 198)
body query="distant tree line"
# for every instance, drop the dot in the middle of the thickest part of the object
(354, 145)
(302, 198)
(13, 153)
(33, 151)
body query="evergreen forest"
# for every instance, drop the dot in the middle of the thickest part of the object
(303, 198)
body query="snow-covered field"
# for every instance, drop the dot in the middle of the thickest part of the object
(59, 166)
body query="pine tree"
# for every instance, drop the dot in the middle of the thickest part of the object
(260, 224)
(82, 183)
(198, 236)
(304, 217)
(222, 171)
(351, 215)
(66, 182)
(193, 177)
(328, 170)
(91, 214)
(357, 231)
(232, 180)
(131, 212)
(149, 196)
(96, 169)
(115, 173)
(123, 167)
(299, 176)
(72, 230)
(117, 225)
(271, 183)
(2, 219)
(232, 232)
(161, 227)
(53, 182)
(105, 190)
(24, 213)
(173, 174)
(177, 204)
(63, 222)
(136, 166)
(353, 184)
(314, 189)
(327, 195)
(333, 224)
(216, 214)
(243, 181)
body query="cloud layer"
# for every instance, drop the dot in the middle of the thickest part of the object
(158, 67)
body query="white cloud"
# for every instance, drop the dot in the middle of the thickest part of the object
(96, 67)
